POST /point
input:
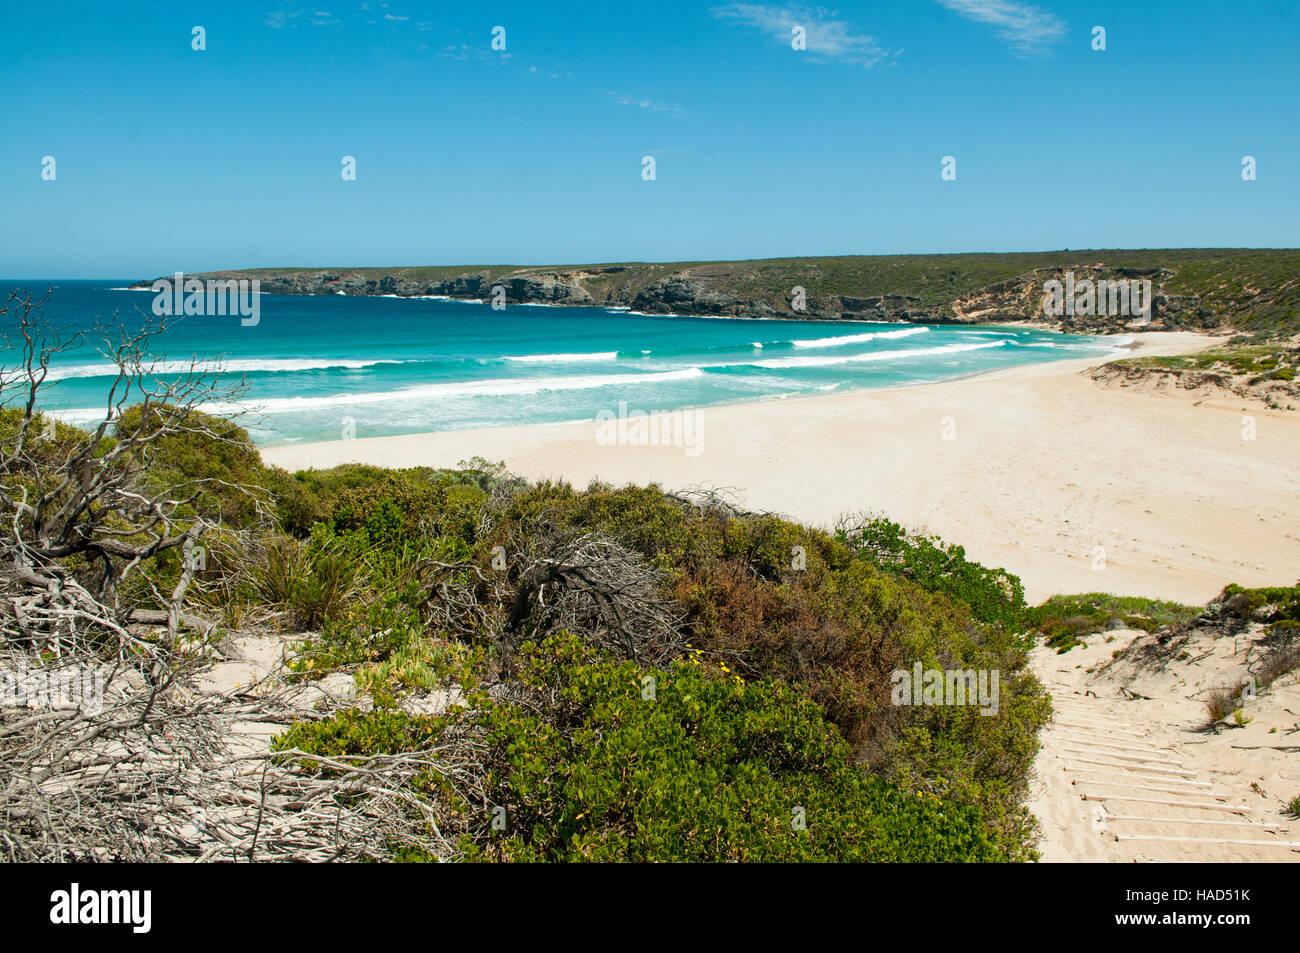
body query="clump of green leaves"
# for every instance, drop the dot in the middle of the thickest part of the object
(357, 733)
(685, 765)
(993, 595)
(315, 581)
(1064, 621)
(210, 458)
(1282, 603)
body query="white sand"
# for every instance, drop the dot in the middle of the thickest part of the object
(1072, 486)
(1155, 732)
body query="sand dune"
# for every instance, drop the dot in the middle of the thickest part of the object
(1127, 772)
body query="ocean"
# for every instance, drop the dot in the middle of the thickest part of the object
(327, 366)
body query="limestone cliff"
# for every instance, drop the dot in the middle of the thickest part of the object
(1191, 288)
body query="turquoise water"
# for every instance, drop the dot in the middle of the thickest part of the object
(315, 365)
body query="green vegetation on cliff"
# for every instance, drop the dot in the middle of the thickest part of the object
(1250, 290)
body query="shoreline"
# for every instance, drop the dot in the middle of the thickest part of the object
(704, 408)
(1072, 486)
(785, 398)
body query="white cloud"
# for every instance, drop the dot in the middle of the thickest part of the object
(826, 37)
(478, 53)
(642, 102)
(1027, 29)
(280, 19)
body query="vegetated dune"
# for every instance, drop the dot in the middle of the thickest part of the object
(1181, 743)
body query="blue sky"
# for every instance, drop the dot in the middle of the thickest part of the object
(172, 159)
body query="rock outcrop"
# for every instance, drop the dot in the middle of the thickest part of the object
(930, 293)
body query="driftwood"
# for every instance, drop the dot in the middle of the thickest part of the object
(545, 581)
(139, 763)
(153, 776)
(80, 498)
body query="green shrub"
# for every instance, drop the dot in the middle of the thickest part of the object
(356, 733)
(993, 595)
(212, 458)
(395, 508)
(309, 497)
(1063, 621)
(1283, 600)
(421, 664)
(668, 534)
(706, 770)
(315, 581)
(369, 632)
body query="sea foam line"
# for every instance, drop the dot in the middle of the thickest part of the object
(268, 365)
(562, 358)
(844, 339)
(902, 354)
(495, 387)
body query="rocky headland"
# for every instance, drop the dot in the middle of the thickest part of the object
(1191, 289)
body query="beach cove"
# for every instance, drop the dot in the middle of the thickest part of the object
(1072, 486)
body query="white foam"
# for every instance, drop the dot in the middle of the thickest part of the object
(78, 415)
(902, 354)
(267, 365)
(1072, 346)
(563, 358)
(495, 387)
(843, 339)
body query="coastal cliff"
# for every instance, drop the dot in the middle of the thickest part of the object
(1190, 288)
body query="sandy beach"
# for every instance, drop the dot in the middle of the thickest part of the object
(1073, 486)
(1128, 772)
